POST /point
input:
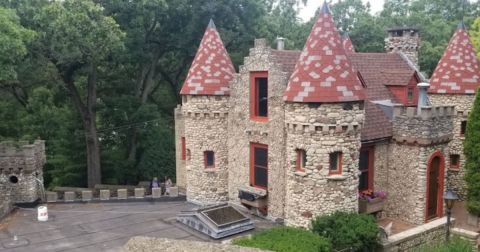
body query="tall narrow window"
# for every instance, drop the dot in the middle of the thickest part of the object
(463, 127)
(209, 157)
(259, 96)
(365, 166)
(335, 166)
(410, 95)
(259, 165)
(301, 160)
(182, 142)
(454, 161)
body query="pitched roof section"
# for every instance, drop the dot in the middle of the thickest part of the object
(458, 70)
(323, 72)
(286, 59)
(347, 44)
(212, 69)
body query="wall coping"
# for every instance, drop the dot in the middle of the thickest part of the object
(408, 234)
(465, 233)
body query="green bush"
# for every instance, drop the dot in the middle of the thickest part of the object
(286, 239)
(348, 230)
(472, 155)
(455, 245)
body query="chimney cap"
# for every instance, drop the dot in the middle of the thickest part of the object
(423, 85)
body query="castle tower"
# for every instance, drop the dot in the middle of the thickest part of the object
(323, 113)
(455, 81)
(405, 40)
(205, 96)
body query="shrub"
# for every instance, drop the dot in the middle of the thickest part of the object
(286, 239)
(455, 245)
(472, 155)
(348, 230)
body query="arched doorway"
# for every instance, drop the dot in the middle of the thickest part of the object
(435, 180)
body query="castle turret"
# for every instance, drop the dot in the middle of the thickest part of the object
(204, 113)
(404, 40)
(323, 113)
(455, 81)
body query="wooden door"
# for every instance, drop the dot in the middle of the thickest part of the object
(435, 178)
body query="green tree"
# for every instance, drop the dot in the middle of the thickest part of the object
(474, 33)
(472, 155)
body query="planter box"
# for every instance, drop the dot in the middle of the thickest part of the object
(375, 205)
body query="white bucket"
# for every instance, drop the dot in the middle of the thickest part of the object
(42, 213)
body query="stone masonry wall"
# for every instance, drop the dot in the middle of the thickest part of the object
(181, 176)
(5, 199)
(406, 44)
(321, 129)
(463, 106)
(243, 131)
(206, 130)
(381, 165)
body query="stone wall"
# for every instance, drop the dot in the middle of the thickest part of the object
(321, 129)
(406, 44)
(242, 131)
(5, 200)
(181, 175)
(206, 130)
(381, 166)
(463, 106)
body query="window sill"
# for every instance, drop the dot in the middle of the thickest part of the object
(336, 177)
(210, 170)
(300, 173)
(255, 190)
(259, 119)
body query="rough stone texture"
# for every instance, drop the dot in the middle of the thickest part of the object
(181, 175)
(467, 235)
(173, 191)
(463, 106)
(122, 193)
(206, 130)
(69, 196)
(381, 166)
(156, 192)
(52, 196)
(406, 44)
(243, 131)
(139, 192)
(141, 244)
(5, 200)
(87, 195)
(104, 194)
(321, 129)
(410, 240)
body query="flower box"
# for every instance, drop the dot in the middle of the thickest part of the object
(371, 206)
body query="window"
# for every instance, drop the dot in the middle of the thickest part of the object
(301, 160)
(335, 166)
(259, 165)
(365, 166)
(183, 148)
(410, 95)
(209, 158)
(463, 127)
(259, 96)
(454, 161)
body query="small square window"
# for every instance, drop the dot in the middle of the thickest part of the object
(463, 127)
(454, 161)
(209, 159)
(301, 160)
(335, 166)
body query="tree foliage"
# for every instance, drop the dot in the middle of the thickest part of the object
(472, 155)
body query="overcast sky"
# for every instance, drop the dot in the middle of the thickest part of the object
(308, 11)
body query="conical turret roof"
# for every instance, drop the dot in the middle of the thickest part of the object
(212, 68)
(323, 72)
(458, 70)
(347, 44)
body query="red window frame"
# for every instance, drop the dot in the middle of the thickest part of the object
(301, 157)
(463, 127)
(205, 159)
(457, 165)
(338, 171)
(254, 103)
(410, 95)
(253, 146)
(184, 149)
(370, 168)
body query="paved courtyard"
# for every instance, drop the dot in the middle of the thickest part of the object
(93, 226)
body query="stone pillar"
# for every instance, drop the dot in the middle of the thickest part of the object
(179, 156)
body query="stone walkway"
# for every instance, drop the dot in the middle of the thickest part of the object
(93, 226)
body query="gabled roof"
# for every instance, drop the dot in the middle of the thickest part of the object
(347, 44)
(212, 69)
(458, 70)
(323, 72)
(286, 59)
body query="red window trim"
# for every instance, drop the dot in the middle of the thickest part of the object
(441, 174)
(298, 166)
(253, 96)
(457, 166)
(371, 160)
(252, 164)
(205, 153)
(339, 170)
(184, 152)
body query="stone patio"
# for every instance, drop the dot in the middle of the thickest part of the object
(97, 226)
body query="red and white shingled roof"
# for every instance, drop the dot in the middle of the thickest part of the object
(323, 72)
(347, 44)
(212, 68)
(458, 70)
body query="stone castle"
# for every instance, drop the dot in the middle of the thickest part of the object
(297, 134)
(21, 173)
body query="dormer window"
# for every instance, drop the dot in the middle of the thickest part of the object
(259, 96)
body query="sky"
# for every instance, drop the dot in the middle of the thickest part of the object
(308, 11)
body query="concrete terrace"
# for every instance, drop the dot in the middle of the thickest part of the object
(95, 226)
